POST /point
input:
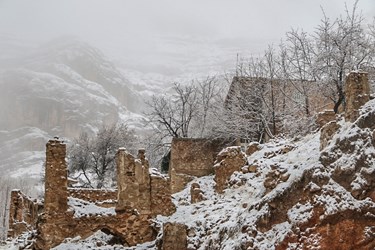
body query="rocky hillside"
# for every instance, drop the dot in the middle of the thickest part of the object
(62, 88)
(288, 195)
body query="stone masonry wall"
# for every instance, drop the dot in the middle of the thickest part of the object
(23, 213)
(140, 196)
(161, 202)
(192, 158)
(138, 189)
(133, 182)
(56, 178)
(104, 198)
(142, 174)
(131, 228)
(174, 236)
(58, 222)
(324, 117)
(357, 93)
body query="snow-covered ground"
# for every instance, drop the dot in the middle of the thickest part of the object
(231, 220)
(208, 219)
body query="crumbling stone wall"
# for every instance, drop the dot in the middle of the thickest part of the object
(138, 189)
(228, 161)
(324, 117)
(174, 236)
(192, 158)
(104, 198)
(357, 93)
(23, 213)
(142, 174)
(58, 222)
(56, 178)
(140, 196)
(161, 202)
(131, 228)
(127, 184)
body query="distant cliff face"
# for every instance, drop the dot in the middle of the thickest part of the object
(60, 89)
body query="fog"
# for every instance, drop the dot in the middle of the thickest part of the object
(148, 32)
(151, 43)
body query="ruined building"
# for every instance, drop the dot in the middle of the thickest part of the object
(192, 158)
(340, 175)
(273, 98)
(125, 213)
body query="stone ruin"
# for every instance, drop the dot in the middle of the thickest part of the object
(192, 158)
(138, 189)
(128, 210)
(357, 93)
(141, 195)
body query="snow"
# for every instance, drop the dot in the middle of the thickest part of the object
(98, 241)
(224, 221)
(83, 208)
(300, 213)
(227, 212)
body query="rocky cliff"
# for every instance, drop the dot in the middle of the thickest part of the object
(62, 88)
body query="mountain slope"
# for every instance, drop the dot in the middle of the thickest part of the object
(62, 88)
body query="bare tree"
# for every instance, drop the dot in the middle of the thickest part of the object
(94, 157)
(173, 115)
(296, 57)
(211, 95)
(342, 45)
(188, 111)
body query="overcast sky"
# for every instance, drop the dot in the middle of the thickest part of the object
(125, 28)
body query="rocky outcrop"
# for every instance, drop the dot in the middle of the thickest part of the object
(350, 230)
(23, 213)
(229, 160)
(252, 148)
(327, 132)
(196, 194)
(275, 177)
